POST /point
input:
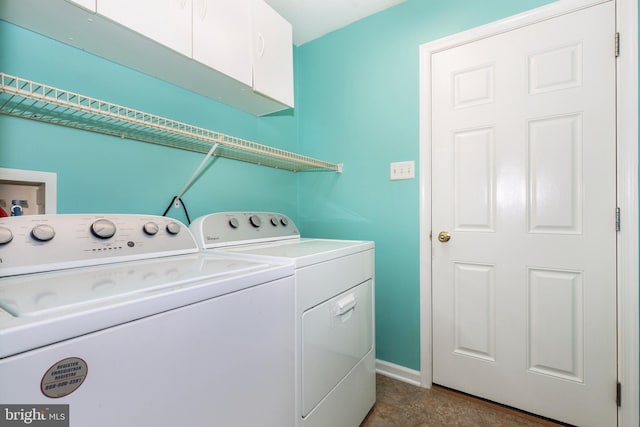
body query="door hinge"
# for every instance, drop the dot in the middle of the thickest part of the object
(617, 45)
(617, 219)
(619, 394)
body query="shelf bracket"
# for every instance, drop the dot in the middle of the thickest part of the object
(196, 173)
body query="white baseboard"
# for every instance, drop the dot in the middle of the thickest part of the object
(398, 372)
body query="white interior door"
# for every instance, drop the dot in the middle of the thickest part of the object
(523, 180)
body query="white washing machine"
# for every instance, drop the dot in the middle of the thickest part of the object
(121, 318)
(334, 286)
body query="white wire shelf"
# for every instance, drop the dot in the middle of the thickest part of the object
(36, 101)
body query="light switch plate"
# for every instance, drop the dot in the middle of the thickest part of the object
(403, 170)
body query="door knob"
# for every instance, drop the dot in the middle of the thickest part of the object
(444, 236)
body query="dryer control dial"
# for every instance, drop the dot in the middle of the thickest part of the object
(43, 232)
(255, 221)
(5, 235)
(103, 228)
(234, 223)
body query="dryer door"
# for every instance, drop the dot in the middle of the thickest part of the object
(337, 334)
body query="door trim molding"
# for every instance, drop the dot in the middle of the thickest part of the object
(627, 185)
(628, 321)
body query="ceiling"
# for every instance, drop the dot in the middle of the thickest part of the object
(314, 18)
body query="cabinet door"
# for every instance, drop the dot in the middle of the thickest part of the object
(87, 4)
(222, 37)
(272, 53)
(166, 21)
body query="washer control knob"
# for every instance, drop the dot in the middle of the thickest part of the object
(255, 221)
(233, 223)
(103, 228)
(43, 232)
(5, 235)
(173, 228)
(274, 222)
(284, 221)
(151, 228)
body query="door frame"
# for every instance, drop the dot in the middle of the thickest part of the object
(627, 185)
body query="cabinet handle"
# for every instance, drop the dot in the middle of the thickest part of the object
(260, 44)
(203, 7)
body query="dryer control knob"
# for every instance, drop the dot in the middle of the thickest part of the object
(255, 221)
(284, 221)
(274, 222)
(103, 228)
(233, 223)
(173, 228)
(151, 228)
(5, 235)
(43, 232)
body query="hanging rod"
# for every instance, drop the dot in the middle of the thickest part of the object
(36, 101)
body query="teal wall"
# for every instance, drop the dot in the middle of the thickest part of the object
(105, 174)
(357, 103)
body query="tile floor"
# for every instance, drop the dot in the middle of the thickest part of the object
(403, 405)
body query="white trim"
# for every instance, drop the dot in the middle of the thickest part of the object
(628, 329)
(627, 180)
(552, 10)
(49, 179)
(426, 350)
(398, 372)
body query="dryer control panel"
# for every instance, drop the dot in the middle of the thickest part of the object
(37, 243)
(233, 228)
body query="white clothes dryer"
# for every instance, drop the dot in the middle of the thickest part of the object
(121, 318)
(334, 287)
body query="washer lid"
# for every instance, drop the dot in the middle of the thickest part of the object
(47, 293)
(44, 308)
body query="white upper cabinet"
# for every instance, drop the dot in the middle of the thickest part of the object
(246, 40)
(272, 53)
(165, 21)
(87, 4)
(238, 52)
(222, 37)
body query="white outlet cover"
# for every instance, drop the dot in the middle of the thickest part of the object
(402, 170)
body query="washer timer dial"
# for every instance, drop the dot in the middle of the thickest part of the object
(103, 228)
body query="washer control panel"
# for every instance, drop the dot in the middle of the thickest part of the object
(233, 228)
(35, 243)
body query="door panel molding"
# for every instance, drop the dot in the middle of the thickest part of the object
(627, 184)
